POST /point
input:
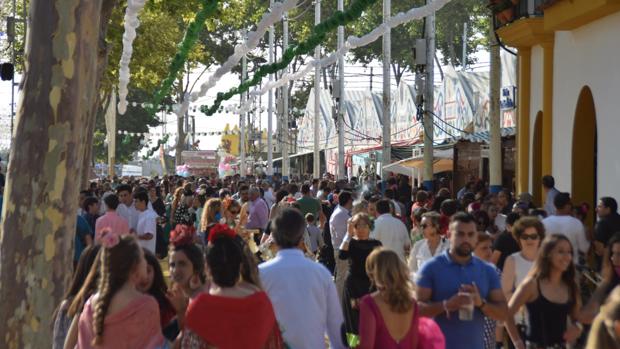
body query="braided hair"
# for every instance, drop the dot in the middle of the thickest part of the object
(116, 265)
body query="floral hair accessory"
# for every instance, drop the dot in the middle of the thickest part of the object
(109, 239)
(583, 208)
(227, 202)
(182, 235)
(221, 230)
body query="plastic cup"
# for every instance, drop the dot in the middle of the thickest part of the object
(466, 312)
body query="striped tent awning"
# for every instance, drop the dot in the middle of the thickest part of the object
(484, 136)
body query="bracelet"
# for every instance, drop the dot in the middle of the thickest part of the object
(445, 308)
(482, 304)
(578, 325)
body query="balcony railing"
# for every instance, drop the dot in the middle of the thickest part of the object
(506, 11)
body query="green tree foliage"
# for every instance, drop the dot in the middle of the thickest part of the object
(403, 37)
(450, 20)
(449, 33)
(135, 120)
(162, 26)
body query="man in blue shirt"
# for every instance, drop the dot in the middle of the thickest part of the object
(83, 238)
(453, 280)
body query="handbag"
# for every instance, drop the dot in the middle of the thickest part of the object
(430, 335)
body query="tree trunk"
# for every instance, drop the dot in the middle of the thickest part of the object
(102, 62)
(451, 49)
(40, 203)
(494, 127)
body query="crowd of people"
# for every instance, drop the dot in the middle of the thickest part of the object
(192, 262)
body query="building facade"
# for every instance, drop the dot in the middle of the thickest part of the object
(567, 96)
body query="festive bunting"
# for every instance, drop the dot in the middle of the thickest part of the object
(317, 36)
(351, 43)
(209, 7)
(131, 24)
(148, 134)
(156, 147)
(250, 43)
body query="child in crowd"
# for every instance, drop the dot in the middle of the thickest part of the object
(316, 239)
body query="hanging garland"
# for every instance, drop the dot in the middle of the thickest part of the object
(149, 134)
(156, 147)
(131, 24)
(351, 43)
(253, 38)
(209, 7)
(317, 37)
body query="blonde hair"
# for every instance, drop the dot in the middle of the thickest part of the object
(391, 276)
(361, 217)
(178, 193)
(602, 333)
(359, 207)
(212, 207)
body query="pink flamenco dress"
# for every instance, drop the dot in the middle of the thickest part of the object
(135, 326)
(423, 333)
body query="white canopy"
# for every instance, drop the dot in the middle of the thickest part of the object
(442, 162)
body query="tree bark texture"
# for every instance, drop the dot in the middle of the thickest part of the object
(102, 62)
(40, 201)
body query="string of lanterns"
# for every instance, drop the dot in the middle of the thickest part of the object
(209, 8)
(159, 134)
(352, 42)
(317, 36)
(274, 14)
(134, 7)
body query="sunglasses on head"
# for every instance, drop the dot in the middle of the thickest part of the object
(530, 237)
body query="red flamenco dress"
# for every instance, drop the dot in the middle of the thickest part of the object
(231, 323)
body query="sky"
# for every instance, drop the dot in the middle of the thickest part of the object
(356, 77)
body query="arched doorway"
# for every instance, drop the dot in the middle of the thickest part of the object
(584, 152)
(537, 161)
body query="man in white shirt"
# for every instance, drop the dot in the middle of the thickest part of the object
(268, 196)
(126, 208)
(548, 183)
(301, 291)
(146, 229)
(338, 223)
(391, 231)
(565, 224)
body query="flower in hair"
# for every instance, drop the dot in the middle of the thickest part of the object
(108, 238)
(221, 230)
(182, 234)
(227, 202)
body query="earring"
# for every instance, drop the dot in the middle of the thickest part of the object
(194, 282)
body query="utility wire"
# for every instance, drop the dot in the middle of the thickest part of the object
(445, 122)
